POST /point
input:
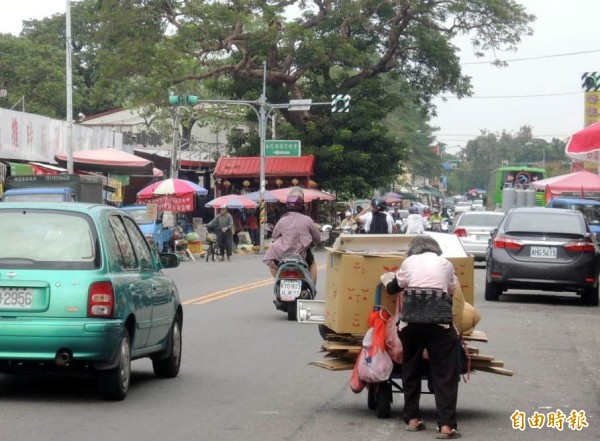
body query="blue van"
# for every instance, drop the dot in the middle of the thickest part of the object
(152, 228)
(589, 207)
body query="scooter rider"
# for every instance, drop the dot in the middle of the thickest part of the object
(294, 233)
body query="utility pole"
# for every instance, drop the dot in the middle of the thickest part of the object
(69, 146)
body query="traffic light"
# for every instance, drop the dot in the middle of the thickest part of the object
(176, 100)
(590, 81)
(340, 103)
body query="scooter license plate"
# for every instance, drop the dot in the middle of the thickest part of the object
(289, 290)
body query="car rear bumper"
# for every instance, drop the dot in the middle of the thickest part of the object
(541, 276)
(41, 340)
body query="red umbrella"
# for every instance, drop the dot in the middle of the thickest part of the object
(171, 187)
(585, 144)
(310, 194)
(172, 194)
(231, 201)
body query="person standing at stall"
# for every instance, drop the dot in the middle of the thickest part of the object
(223, 226)
(425, 273)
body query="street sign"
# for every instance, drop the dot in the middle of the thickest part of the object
(282, 147)
(297, 105)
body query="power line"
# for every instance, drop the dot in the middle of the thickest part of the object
(541, 57)
(539, 95)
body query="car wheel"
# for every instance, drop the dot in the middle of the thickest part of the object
(492, 291)
(590, 296)
(169, 367)
(114, 383)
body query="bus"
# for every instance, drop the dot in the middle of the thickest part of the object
(512, 176)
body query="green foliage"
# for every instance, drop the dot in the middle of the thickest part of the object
(392, 57)
(489, 151)
(34, 72)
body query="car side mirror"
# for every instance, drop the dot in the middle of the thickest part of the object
(169, 260)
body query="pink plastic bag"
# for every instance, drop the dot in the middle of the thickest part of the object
(374, 364)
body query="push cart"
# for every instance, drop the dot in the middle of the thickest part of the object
(380, 395)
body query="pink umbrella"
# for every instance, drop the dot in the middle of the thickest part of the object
(310, 194)
(231, 201)
(579, 182)
(171, 187)
(585, 144)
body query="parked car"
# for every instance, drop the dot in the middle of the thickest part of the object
(474, 229)
(153, 229)
(589, 207)
(81, 289)
(547, 249)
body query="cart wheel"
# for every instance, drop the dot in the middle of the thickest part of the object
(384, 400)
(372, 396)
(292, 310)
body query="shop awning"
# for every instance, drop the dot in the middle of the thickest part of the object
(249, 166)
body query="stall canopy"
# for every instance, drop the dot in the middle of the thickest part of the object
(249, 167)
(108, 160)
(579, 182)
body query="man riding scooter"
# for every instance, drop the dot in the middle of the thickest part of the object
(290, 258)
(294, 233)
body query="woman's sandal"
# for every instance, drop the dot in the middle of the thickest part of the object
(416, 427)
(454, 434)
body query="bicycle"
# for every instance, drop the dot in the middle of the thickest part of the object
(213, 249)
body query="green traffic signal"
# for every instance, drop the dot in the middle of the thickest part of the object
(176, 100)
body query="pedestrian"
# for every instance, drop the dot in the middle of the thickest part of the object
(429, 280)
(414, 222)
(376, 219)
(294, 233)
(223, 226)
(253, 227)
(238, 225)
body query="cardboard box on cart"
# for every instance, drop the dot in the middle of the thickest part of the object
(355, 263)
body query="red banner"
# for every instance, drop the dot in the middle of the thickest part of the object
(178, 204)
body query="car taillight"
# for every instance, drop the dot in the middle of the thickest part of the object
(509, 244)
(580, 247)
(101, 300)
(460, 232)
(290, 274)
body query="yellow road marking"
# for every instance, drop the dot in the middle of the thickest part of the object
(217, 295)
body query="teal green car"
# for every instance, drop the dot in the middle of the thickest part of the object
(81, 289)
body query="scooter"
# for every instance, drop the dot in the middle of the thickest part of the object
(292, 282)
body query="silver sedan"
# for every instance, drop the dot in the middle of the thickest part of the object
(474, 228)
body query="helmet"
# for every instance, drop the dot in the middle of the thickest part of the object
(413, 210)
(379, 204)
(295, 199)
(348, 213)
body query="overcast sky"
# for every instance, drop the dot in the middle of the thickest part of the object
(542, 91)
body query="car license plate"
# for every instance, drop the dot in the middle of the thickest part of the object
(16, 298)
(543, 252)
(289, 290)
(482, 237)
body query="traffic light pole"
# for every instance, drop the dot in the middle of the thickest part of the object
(263, 110)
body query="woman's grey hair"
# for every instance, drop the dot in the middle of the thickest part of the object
(424, 244)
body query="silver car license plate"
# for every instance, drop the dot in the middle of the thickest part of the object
(16, 298)
(543, 252)
(289, 290)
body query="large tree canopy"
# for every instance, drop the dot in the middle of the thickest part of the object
(312, 49)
